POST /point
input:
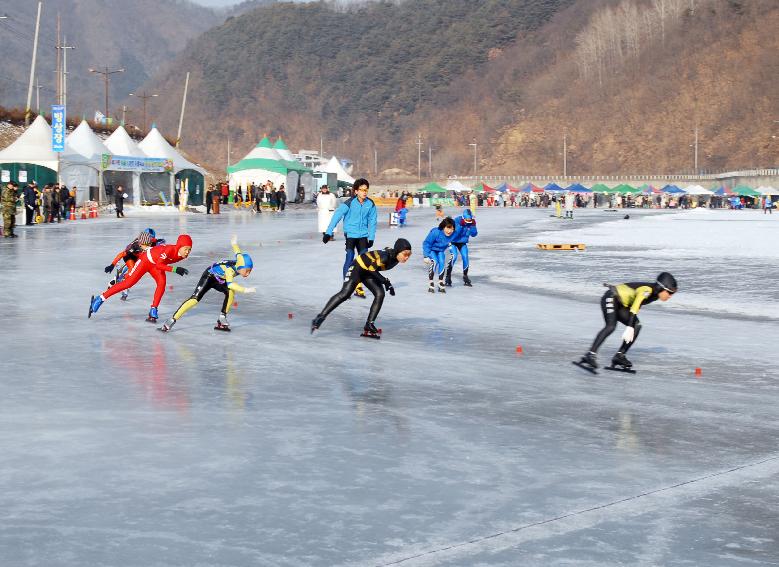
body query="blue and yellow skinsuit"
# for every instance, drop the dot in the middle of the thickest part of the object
(221, 277)
(621, 304)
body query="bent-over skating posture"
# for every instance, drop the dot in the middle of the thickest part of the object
(366, 269)
(464, 230)
(434, 248)
(620, 304)
(156, 261)
(129, 256)
(219, 276)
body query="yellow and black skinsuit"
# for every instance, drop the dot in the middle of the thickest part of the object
(219, 276)
(365, 269)
(621, 304)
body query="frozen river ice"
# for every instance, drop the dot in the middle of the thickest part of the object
(438, 445)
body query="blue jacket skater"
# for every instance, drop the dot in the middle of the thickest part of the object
(436, 242)
(359, 219)
(464, 230)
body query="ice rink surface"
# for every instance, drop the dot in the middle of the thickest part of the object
(437, 445)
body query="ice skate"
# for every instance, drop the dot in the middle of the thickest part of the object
(94, 305)
(153, 315)
(124, 296)
(466, 279)
(441, 287)
(168, 325)
(448, 277)
(620, 363)
(431, 287)
(370, 331)
(588, 362)
(316, 323)
(222, 324)
(359, 291)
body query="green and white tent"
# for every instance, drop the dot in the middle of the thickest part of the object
(265, 163)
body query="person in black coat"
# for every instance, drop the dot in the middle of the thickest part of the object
(281, 195)
(119, 197)
(29, 204)
(65, 201)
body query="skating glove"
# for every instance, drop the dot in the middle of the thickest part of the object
(388, 286)
(428, 261)
(325, 238)
(250, 290)
(370, 244)
(629, 334)
(109, 268)
(180, 271)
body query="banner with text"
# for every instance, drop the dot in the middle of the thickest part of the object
(143, 165)
(58, 128)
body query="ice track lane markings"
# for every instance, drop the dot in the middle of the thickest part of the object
(475, 541)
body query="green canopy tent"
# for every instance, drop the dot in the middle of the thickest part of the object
(600, 188)
(481, 188)
(745, 191)
(432, 187)
(624, 189)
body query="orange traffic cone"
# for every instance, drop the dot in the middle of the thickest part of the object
(83, 213)
(72, 213)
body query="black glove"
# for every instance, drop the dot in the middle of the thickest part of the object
(325, 238)
(391, 290)
(109, 268)
(388, 286)
(180, 271)
(370, 243)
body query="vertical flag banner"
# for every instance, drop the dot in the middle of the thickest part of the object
(58, 128)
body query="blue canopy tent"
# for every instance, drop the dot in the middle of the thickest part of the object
(578, 188)
(672, 189)
(554, 188)
(502, 188)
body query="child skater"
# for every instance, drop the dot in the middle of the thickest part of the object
(434, 248)
(621, 303)
(219, 276)
(129, 256)
(156, 261)
(464, 230)
(366, 269)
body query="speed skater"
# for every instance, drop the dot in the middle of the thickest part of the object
(464, 230)
(366, 269)
(129, 255)
(621, 303)
(434, 248)
(156, 261)
(219, 276)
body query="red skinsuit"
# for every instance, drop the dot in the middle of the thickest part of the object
(156, 261)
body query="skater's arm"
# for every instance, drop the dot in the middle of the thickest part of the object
(337, 216)
(372, 216)
(229, 278)
(427, 245)
(642, 293)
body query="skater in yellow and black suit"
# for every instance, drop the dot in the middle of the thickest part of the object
(366, 269)
(621, 304)
(221, 277)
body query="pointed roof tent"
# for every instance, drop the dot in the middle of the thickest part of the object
(155, 145)
(672, 189)
(121, 144)
(530, 188)
(283, 150)
(696, 190)
(745, 191)
(33, 146)
(334, 166)
(578, 188)
(600, 188)
(85, 142)
(263, 157)
(432, 187)
(456, 186)
(553, 188)
(481, 188)
(766, 190)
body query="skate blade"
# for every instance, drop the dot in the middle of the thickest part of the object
(91, 301)
(370, 336)
(151, 320)
(223, 329)
(583, 366)
(620, 369)
(163, 329)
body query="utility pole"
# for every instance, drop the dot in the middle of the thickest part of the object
(419, 156)
(144, 97)
(64, 47)
(321, 147)
(32, 67)
(124, 114)
(375, 161)
(107, 78)
(228, 152)
(696, 148)
(475, 146)
(429, 161)
(183, 106)
(38, 88)
(565, 152)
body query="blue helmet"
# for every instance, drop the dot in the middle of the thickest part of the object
(467, 215)
(243, 260)
(150, 232)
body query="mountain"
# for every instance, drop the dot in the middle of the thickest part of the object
(139, 36)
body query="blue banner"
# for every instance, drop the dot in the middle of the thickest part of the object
(58, 128)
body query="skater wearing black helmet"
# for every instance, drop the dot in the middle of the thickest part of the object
(366, 269)
(621, 303)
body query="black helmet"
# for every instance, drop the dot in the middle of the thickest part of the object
(667, 282)
(401, 244)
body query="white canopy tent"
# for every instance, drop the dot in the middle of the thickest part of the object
(766, 190)
(696, 190)
(457, 186)
(155, 145)
(30, 156)
(334, 166)
(120, 144)
(81, 163)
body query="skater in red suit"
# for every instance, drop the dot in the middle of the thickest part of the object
(156, 261)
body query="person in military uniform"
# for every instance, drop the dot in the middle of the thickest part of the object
(9, 209)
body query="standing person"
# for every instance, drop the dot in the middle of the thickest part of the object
(216, 197)
(282, 197)
(225, 191)
(56, 211)
(620, 304)
(366, 270)
(768, 205)
(48, 203)
(65, 201)
(156, 261)
(9, 209)
(219, 276)
(119, 197)
(29, 203)
(258, 193)
(464, 230)
(209, 194)
(274, 199)
(325, 205)
(569, 202)
(359, 216)
(434, 248)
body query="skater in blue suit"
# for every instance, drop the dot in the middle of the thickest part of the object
(464, 230)
(359, 218)
(434, 248)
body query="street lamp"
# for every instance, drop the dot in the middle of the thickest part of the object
(475, 146)
(144, 97)
(106, 77)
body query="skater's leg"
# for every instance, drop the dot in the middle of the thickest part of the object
(351, 244)
(350, 282)
(464, 254)
(610, 318)
(159, 291)
(228, 300)
(378, 298)
(440, 264)
(206, 283)
(450, 266)
(626, 346)
(132, 278)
